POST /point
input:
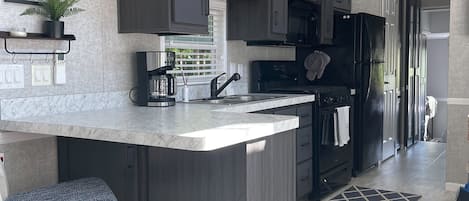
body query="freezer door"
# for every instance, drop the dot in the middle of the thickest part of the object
(373, 38)
(372, 95)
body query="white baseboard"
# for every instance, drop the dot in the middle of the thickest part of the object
(453, 187)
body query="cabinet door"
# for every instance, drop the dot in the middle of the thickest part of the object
(279, 16)
(270, 166)
(194, 12)
(327, 22)
(343, 5)
(115, 163)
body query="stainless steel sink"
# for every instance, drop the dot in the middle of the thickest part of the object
(236, 99)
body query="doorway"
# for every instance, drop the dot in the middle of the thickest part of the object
(424, 83)
(435, 27)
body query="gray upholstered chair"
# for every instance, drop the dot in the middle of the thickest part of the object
(88, 189)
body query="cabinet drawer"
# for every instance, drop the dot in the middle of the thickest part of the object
(304, 178)
(304, 143)
(305, 112)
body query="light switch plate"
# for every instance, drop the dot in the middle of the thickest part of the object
(11, 76)
(41, 74)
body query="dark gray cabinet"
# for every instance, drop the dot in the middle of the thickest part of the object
(164, 17)
(262, 169)
(192, 12)
(257, 20)
(343, 5)
(279, 16)
(304, 147)
(339, 5)
(113, 162)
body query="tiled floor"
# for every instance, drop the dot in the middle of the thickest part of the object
(419, 170)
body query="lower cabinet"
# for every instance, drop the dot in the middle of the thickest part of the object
(264, 169)
(304, 147)
(113, 162)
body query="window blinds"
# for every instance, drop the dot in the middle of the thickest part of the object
(201, 57)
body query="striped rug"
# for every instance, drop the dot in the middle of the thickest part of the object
(357, 193)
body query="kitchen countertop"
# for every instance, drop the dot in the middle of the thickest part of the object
(186, 126)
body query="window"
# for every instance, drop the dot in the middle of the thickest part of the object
(201, 57)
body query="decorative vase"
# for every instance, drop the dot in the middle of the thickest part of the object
(54, 29)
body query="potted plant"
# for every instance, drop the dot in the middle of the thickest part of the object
(54, 10)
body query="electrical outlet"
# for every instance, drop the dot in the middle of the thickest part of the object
(11, 76)
(41, 74)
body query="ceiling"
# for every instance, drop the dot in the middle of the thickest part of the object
(435, 3)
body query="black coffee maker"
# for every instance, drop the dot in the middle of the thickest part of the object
(156, 88)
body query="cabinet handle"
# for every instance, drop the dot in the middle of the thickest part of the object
(206, 5)
(131, 152)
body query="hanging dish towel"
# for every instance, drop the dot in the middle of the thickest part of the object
(342, 126)
(316, 63)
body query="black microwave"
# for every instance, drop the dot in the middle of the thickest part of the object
(310, 23)
(303, 22)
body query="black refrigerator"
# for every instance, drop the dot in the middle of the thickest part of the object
(357, 61)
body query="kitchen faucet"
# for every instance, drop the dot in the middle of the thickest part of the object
(214, 91)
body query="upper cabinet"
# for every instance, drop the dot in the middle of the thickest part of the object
(284, 22)
(256, 20)
(343, 5)
(164, 17)
(279, 18)
(339, 5)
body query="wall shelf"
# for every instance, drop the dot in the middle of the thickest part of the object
(36, 36)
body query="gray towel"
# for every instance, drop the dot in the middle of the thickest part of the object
(316, 63)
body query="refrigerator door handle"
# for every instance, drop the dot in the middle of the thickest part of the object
(369, 83)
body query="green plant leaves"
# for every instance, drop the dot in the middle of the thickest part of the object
(54, 9)
(36, 11)
(72, 11)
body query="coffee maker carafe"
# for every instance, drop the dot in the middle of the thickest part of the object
(156, 88)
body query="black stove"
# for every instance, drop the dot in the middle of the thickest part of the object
(325, 95)
(332, 165)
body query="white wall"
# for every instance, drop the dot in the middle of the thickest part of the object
(101, 59)
(458, 145)
(374, 7)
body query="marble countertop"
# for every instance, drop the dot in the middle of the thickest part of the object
(194, 127)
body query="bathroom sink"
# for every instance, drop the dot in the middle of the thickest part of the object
(235, 99)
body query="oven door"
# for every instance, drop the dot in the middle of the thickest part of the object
(335, 163)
